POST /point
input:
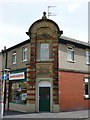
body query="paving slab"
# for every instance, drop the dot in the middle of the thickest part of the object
(83, 114)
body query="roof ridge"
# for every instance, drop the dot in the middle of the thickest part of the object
(74, 40)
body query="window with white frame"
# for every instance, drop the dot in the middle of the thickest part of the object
(87, 57)
(14, 58)
(24, 54)
(43, 52)
(87, 87)
(70, 54)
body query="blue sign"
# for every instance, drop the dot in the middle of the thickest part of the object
(4, 76)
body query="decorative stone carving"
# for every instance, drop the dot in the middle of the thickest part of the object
(44, 32)
(44, 69)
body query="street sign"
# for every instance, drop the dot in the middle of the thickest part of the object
(4, 76)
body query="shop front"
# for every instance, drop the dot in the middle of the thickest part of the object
(17, 90)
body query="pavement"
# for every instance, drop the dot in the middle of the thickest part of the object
(82, 114)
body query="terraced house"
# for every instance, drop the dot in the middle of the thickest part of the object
(48, 72)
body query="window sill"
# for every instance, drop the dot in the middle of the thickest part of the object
(86, 96)
(87, 63)
(13, 63)
(38, 60)
(71, 61)
(24, 60)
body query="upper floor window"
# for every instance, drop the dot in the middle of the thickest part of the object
(43, 51)
(14, 58)
(86, 87)
(24, 54)
(87, 57)
(70, 54)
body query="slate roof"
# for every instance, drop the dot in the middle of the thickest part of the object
(62, 39)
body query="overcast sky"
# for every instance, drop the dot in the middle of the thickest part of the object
(16, 16)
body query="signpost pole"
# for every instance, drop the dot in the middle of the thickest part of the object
(2, 102)
(4, 77)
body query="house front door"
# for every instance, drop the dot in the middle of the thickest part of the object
(44, 99)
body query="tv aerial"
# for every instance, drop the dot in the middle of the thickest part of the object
(49, 12)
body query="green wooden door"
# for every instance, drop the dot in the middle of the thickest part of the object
(44, 99)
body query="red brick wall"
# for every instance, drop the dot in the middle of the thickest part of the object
(72, 91)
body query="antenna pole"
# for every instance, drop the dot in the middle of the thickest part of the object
(49, 13)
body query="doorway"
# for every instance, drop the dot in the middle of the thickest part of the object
(44, 99)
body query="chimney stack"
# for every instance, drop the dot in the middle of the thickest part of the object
(4, 47)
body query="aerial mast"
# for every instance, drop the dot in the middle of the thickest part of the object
(50, 13)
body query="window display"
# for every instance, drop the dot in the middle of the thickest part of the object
(18, 92)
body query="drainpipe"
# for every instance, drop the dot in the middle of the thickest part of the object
(5, 80)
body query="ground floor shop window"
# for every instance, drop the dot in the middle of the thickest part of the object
(18, 92)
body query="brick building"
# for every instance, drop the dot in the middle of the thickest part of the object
(48, 72)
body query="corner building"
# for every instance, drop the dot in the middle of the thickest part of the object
(42, 71)
(48, 72)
